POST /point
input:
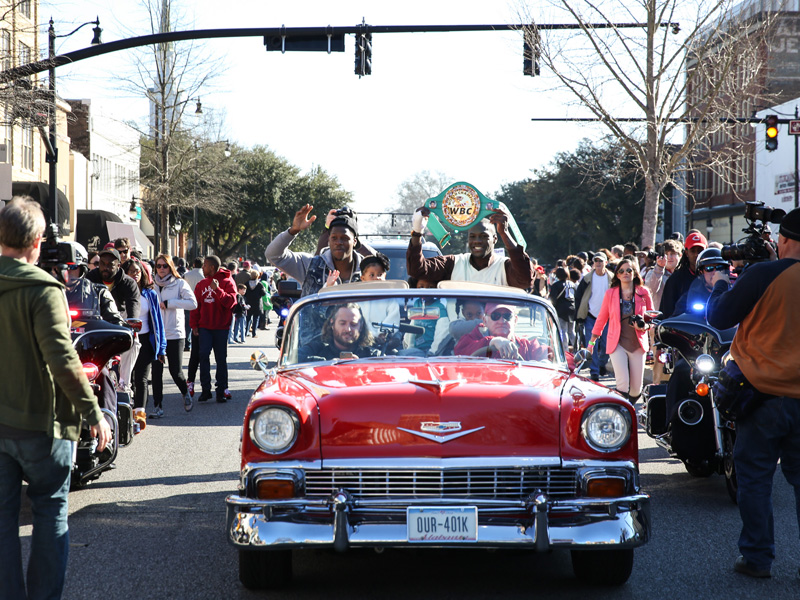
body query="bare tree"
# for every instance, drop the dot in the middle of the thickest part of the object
(411, 194)
(686, 83)
(171, 76)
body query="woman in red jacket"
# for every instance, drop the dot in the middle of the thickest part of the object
(627, 342)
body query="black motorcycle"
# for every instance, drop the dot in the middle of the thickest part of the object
(681, 415)
(98, 344)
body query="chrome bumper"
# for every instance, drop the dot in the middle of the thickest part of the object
(341, 523)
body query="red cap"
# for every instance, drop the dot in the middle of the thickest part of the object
(695, 239)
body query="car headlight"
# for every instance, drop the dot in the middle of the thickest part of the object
(606, 427)
(274, 429)
(705, 363)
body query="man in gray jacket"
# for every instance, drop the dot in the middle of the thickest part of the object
(338, 263)
(43, 395)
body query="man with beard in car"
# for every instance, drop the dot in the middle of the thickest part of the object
(500, 321)
(344, 332)
(480, 264)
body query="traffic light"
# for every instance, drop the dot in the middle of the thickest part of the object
(530, 52)
(772, 132)
(363, 52)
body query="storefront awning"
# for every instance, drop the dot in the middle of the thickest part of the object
(41, 193)
(91, 230)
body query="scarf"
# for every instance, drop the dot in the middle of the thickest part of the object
(162, 281)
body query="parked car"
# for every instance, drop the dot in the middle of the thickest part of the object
(350, 443)
(395, 250)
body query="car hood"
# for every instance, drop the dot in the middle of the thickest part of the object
(369, 410)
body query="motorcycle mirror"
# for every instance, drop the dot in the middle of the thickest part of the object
(652, 315)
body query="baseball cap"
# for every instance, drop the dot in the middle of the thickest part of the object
(348, 222)
(246, 265)
(790, 226)
(695, 239)
(109, 251)
(601, 255)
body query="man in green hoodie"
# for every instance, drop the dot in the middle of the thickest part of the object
(43, 395)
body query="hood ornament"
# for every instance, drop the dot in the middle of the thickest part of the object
(437, 385)
(454, 426)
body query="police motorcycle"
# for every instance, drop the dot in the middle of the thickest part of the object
(99, 336)
(681, 415)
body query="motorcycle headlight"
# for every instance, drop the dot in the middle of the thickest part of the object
(606, 427)
(705, 363)
(274, 429)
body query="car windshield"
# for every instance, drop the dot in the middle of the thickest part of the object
(414, 324)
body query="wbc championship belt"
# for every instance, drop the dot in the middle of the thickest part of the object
(461, 206)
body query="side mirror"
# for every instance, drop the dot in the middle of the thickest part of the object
(581, 357)
(258, 360)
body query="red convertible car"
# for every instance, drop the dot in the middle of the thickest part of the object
(447, 417)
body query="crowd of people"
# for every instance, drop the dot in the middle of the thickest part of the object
(600, 298)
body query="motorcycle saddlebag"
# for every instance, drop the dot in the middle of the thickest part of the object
(125, 416)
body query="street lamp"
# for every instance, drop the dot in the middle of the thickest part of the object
(52, 148)
(134, 211)
(709, 227)
(199, 109)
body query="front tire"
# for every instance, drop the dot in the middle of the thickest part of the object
(265, 569)
(603, 567)
(700, 469)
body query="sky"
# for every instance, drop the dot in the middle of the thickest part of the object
(455, 103)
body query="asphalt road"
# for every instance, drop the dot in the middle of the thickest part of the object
(154, 529)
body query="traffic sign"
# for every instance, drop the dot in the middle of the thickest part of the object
(794, 127)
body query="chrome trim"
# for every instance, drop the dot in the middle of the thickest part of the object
(441, 438)
(475, 462)
(594, 463)
(581, 523)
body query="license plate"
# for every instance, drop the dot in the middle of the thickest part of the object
(433, 524)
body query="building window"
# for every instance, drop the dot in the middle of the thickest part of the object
(27, 147)
(25, 7)
(5, 49)
(24, 54)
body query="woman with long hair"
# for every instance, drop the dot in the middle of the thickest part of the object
(627, 342)
(174, 296)
(151, 336)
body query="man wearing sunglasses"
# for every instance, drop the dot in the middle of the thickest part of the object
(695, 298)
(500, 321)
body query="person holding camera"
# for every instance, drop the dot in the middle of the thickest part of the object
(766, 351)
(627, 342)
(684, 274)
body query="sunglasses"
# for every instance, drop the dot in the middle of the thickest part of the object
(625, 271)
(712, 268)
(497, 315)
(162, 266)
(95, 262)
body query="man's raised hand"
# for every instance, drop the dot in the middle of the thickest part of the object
(301, 219)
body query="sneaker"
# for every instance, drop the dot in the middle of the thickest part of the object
(221, 398)
(187, 403)
(227, 394)
(594, 377)
(204, 396)
(157, 413)
(603, 371)
(190, 386)
(743, 567)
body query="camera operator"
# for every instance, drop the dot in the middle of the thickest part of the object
(765, 349)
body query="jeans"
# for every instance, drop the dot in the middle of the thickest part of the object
(45, 463)
(239, 328)
(567, 333)
(141, 370)
(253, 317)
(770, 433)
(194, 359)
(188, 329)
(217, 340)
(599, 356)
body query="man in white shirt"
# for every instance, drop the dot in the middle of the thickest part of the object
(589, 299)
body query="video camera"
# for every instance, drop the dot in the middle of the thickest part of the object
(345, 211)
(753, 248)
(55, 252)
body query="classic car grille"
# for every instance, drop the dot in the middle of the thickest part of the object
(487, 484)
